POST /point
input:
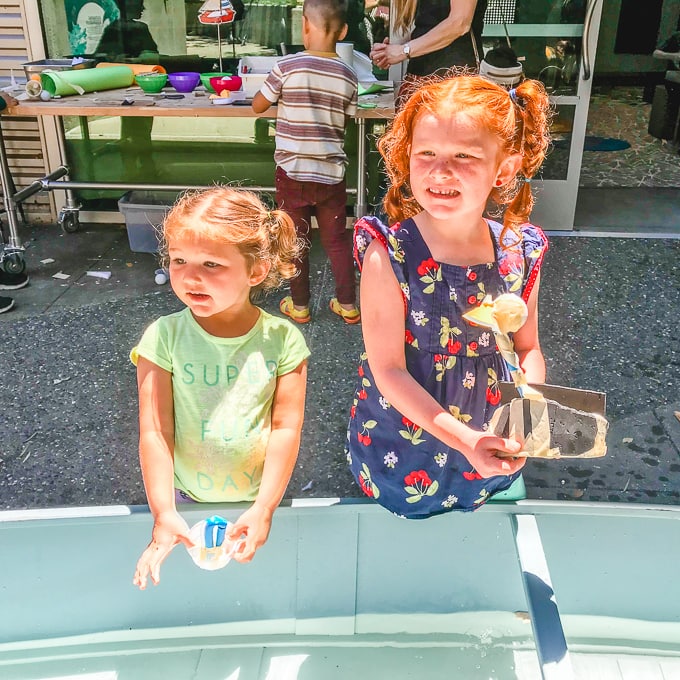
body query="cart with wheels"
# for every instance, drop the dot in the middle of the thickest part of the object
(11, 249)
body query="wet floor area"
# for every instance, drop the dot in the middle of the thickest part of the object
(68, 405)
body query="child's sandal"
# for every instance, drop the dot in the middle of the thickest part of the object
(350, 316)
(298, 315)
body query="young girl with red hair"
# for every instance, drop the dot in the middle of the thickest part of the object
(429, 380)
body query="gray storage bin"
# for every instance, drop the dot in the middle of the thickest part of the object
(144, 212)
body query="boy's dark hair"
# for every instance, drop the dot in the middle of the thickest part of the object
(329, 15)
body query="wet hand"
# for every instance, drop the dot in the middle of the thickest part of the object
(169, 530)
(253, 528)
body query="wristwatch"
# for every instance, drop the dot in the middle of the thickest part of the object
(406, 50)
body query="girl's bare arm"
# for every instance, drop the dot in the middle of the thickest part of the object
(156, 445)
(383, 328)
(156, 435)
(288, 412)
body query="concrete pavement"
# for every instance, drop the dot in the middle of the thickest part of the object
(608, 314)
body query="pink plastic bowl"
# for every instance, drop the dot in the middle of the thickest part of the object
(184, 81)
(232, 83)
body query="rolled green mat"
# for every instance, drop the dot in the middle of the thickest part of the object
(86, 80)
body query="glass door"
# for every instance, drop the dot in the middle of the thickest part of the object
(557, 41)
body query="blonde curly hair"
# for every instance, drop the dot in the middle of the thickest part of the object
(239, 218)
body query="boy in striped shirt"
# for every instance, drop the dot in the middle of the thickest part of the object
(315, 93)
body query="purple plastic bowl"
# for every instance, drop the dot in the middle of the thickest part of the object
(184, 81)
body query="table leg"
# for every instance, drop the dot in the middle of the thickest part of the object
(7, 193)
(362, 199)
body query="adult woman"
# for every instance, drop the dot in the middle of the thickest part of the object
(441, 36)
(128, 39)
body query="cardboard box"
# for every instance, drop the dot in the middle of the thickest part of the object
(144, 212)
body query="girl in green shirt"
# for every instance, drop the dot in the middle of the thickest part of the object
(222, 382)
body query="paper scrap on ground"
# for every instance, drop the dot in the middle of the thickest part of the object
(61, 275)
(100, 275)
(47, 260)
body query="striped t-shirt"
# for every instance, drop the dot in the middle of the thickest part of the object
(315, 92)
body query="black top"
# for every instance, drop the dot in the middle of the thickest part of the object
(460, 52)
(126, 39)
(356, 29)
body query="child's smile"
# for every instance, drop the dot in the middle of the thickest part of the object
(453, 164)
(443, 192)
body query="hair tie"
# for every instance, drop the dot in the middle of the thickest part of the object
(518, 101)
(272, 223)
(527, 180)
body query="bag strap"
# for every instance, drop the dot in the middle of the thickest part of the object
(505, 25)
(475, 47)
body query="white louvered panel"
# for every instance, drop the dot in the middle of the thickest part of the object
(18, 145)
(24, 141)
(18, 124)
(10, 9)
(13, 45)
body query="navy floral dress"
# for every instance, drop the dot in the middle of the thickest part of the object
(395, 461)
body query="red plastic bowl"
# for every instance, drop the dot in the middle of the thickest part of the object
(231, 83)
(184, 81)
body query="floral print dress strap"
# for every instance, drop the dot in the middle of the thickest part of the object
(519, 258)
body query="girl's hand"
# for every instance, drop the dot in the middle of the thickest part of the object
(255, 524)
(169, 529)
(480, 448)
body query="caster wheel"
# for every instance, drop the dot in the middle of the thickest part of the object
(14, 264)
(69, 222)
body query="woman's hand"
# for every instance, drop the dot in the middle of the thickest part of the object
(383, 55)
(169, 529)
(254, 524)
(482, 448)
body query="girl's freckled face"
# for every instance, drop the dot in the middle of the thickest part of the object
(453, 165)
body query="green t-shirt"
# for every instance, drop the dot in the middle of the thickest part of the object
(223, 389)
